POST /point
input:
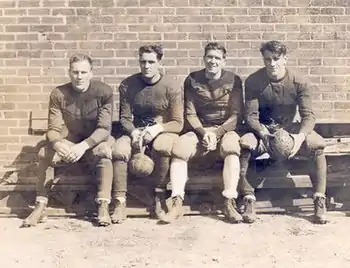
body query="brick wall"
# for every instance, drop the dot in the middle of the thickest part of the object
(37, 37)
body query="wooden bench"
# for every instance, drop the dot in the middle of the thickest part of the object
(279, 186)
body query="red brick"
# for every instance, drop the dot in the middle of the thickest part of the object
(275, 3)
(90, 45)
(16, 28)
(29, 54)
(150, 36)
(333, 62)
(262, 27)
(139, 28)
(174, 19)
(102, 3)
(150, 19)
(15, 98)
(214, 27)
(188, 11)
(250, 3)
(115, 28)
(29, 3)
(7, 3)
(274, 36)
(52, 20)
(41, 46)
(7, 54)
(341, 70)
(66, 46)
(9, 139)
(163, 11)
(16, 62)
(29, 72)
(15, 12)
(272, 19)
(125, 36)
(249, 36)
(7, 106)
(218, 19)
(211, 11)
(53, 71)
(79, 3)
(8, 20)
(175, 36)
(64, 11)
(165, 28)
(153, 3)
(7, 37)
(235, 11)
(41, 28)
(340, 80)
(125, 19)
(53, 3)
(40, 80)
(75, 36)
(102, 54)
(115, 45)
(38, 11)
(176, 71)
(126, 3)
(137, 11)
(189, 45)
(196, 36)
(102, 19)
(114, 62)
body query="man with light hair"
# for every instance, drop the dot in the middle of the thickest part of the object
(79, 127)
(213, 107)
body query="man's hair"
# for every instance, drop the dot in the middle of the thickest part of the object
(274, 47)
(152, 48)
(215, 46)
(79, 57)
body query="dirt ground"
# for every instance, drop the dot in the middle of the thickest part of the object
(193, 241)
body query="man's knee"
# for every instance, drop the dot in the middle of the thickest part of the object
(314, 141)
(164, 143)
(230, 144)
(248, 141)
(121, 149)
(315, 144)
(104, 149)
(185, 146)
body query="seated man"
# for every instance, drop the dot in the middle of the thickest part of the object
(213, 104)
(272, 95)
(83, 108)
(151, 112)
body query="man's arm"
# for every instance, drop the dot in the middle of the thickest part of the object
(235, 109)
(55, 119)
(190, 110)
(125, 110)
(176, 107)
(251, 114)
(104, 120)
(307, 115)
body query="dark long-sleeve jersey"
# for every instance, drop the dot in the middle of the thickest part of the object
(143, 104)
(87, 115)
(211, 103)
(275, 102)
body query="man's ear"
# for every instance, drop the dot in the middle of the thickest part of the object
(286, 58)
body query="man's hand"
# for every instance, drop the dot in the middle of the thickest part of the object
(209, 141)
(298, 141)
(266, 139)
(76, 152)
(136, 135)
(62, 149)
(151, 132)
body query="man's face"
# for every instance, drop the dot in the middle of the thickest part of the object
(149, 64)
(80, 74)
(214, 61)
(275, 64)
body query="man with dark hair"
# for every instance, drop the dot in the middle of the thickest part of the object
(213, 109)
(151, 115)
(79, 126)
(273, 95)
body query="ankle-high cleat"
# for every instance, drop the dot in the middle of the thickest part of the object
(119, 213)
(320, 209)
(174, 210)
(157, 210)
(249, 214)
(230, 211)
(38, 215)
(103, 218)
